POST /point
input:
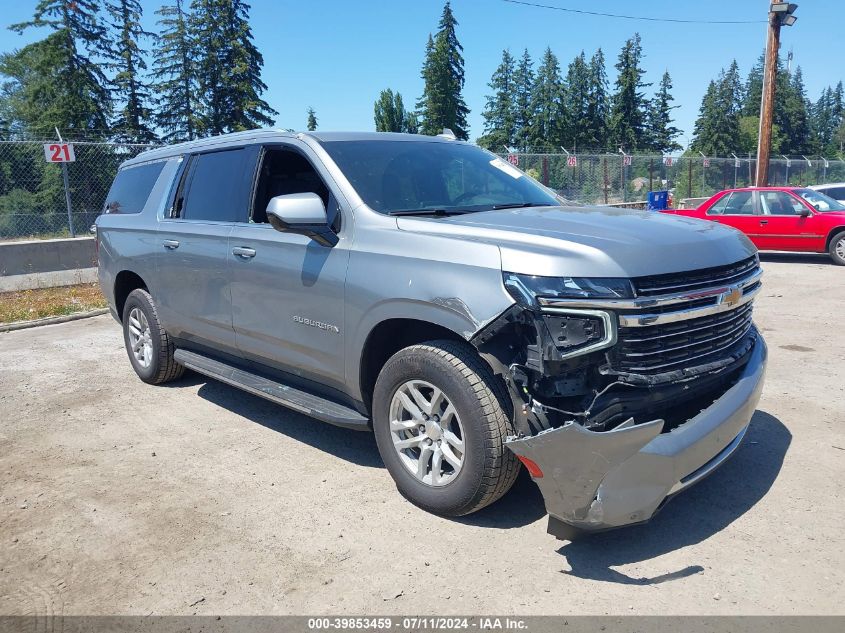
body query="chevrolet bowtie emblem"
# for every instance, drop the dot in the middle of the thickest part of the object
(732, 297)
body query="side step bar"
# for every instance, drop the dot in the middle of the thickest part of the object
(290, 397)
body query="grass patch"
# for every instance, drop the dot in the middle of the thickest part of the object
(38, 303)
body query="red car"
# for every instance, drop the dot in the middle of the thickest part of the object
(780, 218)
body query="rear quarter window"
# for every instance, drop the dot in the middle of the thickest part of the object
(131, 188)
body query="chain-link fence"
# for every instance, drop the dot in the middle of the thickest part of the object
(33, 201)
(618, 178)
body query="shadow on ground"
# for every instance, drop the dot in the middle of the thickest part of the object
(354, 446)
(692, 516)
(797, 258)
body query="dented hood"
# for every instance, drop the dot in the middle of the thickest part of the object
(592, 241)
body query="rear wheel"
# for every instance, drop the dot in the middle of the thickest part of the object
(149, 347)
(440, 428)
(837, 248)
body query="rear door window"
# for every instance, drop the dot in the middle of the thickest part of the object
(740, 203)
(718, 207)
(131, 188)
(216, 189)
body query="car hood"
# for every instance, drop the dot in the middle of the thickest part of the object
(592, 241)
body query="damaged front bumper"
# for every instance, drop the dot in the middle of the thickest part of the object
(600, 480)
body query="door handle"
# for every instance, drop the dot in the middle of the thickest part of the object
(762, 222)
(243, 252)
(171, 244)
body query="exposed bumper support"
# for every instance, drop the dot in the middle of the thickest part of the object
(601, 480)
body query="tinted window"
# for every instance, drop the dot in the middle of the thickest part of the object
(740, 203)
(419, 175)
(132, 187)
(216, 187)
(780, 203)
(719, 207)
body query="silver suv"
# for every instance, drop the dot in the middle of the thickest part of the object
(425, 289)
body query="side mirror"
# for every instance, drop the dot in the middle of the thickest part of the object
(302, 213)
(804, 212)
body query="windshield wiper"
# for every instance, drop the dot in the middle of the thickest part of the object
(521, 205)
(428, 212)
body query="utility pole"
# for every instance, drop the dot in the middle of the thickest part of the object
(780, 13)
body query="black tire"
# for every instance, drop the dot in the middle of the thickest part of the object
(837, 248)
(489, 468)
(162, 367)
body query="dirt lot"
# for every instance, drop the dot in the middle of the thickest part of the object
(118, 497)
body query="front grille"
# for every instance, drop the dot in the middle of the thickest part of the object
(670, 346)
(656, 285)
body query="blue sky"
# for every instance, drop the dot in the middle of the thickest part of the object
(336, 55)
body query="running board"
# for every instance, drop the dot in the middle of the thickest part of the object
(290, 397)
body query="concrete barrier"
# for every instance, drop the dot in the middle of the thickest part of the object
(45, 263)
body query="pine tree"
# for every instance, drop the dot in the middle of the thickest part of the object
(500, 112)
(717, 129)
(134, 121)
(661, 132)
(797, 130)
(627, 119)
(311, 124)
(523, 79)
(390, 115)
(175, 75)
(596, 120)
(228, 68)
(546, 105)
(576, 103)
(442, 104)
(55, 81)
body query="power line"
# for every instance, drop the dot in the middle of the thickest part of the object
(632, 17)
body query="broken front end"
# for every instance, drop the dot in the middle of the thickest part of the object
(626, 391)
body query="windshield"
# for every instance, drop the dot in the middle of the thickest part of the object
(424, 176)
(820, 201)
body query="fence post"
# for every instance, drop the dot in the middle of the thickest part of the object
(546, 170)
(67, 200)
(651, 174)
(606, 182)
(689, 177)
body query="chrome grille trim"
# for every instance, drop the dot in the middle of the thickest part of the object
(752, 277)
(644, 320)
(745, 311)
(742, 326)
(688, 359)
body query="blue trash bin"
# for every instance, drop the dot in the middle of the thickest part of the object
(658, 200)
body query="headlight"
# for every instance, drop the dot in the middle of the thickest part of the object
(526, 288)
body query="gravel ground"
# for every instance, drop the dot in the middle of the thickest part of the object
(119, 497)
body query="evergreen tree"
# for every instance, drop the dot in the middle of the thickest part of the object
(500, 112)
(134, 121)
(627, 119)
(390, 115)
(797, 132)
(546, 105)
(576, 103)
(228, 68)
(595, 123)
(175, 76)
(55, 81)
(523, 80)
(442, 104)
(311, 124)
(661, 132)
(717, 129)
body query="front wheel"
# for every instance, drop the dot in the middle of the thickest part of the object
(837, 248)
(440, 427)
